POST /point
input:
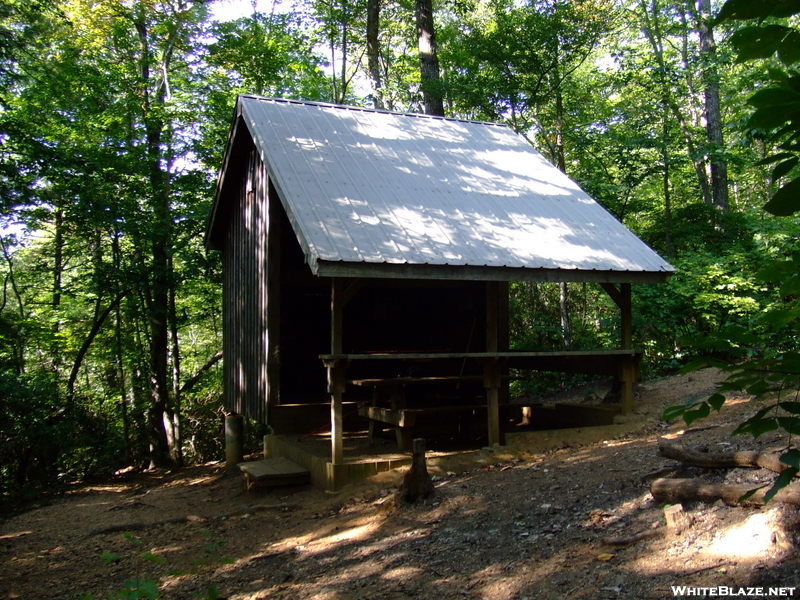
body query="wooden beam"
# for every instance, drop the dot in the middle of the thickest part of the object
(613, 292)
(351, 290)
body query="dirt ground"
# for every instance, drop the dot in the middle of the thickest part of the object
(508, 524)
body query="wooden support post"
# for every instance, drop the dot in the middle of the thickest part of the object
(397, 400)
(491, 381)
(627, 371)
(336, 389)
(234, 445)
(628, 374)
(336, 372)
(491, 369)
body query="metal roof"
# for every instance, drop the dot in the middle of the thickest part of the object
(364, 188)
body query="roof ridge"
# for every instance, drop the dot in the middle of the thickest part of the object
(372, 110)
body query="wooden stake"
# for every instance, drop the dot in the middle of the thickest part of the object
(417, 482)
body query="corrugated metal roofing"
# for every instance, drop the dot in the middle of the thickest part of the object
(373, 187)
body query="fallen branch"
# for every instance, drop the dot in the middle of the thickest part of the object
(701, 569)
(720, 460)
(674, 491)
(247, 510)
(632, 539)
(658, 474)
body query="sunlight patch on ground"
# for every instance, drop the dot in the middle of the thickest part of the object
(94, 504)
(492, 584)
(354, 534)
(402, 573)
(322, 539)
(11, 536)
(114, 489)
(189, 481)
(381, 545)
(753, 538)
(500, 588)
(166, 550)
(619, 443)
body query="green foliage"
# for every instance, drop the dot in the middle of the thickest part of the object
(777, 106)
(762, 362)
(504, 60)
(269, 55)
(766, 363)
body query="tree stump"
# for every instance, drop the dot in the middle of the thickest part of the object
(417, 482)
(677, 520)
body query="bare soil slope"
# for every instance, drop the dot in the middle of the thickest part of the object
(504, 525)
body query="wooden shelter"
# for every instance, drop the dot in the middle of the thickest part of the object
(367, 256)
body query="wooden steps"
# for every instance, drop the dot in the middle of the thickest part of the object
(272, 472)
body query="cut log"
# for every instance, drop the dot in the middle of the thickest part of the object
(674, 491)
(719, 460)
(417, 482)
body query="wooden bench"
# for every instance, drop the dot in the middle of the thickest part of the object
(404, 419)
(399, 415)
(621, 363)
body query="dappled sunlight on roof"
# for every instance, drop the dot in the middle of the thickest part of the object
(365, 187)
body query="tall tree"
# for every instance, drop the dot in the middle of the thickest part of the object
(710, 73)
(374, 51)
(430, 78)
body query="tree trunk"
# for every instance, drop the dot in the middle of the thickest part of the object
(173, 415)
(666, 183)
(561, 163)
(565, 327)
(708, 59)
(76, 365)
(430, 80)
(20, 348)
(58, 268)
(652, 31)
(161, 236)
(123, 390)
(374, 51)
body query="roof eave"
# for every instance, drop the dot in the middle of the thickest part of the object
(324, 268)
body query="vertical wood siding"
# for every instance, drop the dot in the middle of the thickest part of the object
(246, 336)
